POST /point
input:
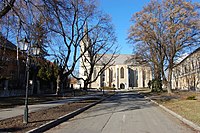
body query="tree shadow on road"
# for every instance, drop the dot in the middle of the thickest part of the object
(117, 104)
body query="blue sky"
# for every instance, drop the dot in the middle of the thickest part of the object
(121, 12)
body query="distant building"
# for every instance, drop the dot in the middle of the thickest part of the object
(9, 65)
(126, 71)
(186, 74)
(74, 83)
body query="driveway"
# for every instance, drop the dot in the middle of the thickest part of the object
(123, 113)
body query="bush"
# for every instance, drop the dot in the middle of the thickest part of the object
(155, 85)
(191, 98)
(107, 88)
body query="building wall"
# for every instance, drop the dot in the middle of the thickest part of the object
(123, 82)
(186, 75)
(8, 63)
(144, 75)
(84, 49)
(11, 69)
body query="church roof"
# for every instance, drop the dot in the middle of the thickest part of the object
(123, 59)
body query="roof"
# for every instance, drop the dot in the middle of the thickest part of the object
(195, 51)
(181, 58)
(123, 59)
(6, 43)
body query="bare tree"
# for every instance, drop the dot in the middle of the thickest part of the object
(171, 26)
(26, 19)
(146, 34)
(183, 27)
(5, 7)
(100, 51)
(67, 20)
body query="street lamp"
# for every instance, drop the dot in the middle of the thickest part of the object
(30, 50)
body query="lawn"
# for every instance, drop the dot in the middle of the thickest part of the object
(189, 109)
(186, 104)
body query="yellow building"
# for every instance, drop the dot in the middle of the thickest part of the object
(186, 74)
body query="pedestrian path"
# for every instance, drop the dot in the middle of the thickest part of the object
(19, 110)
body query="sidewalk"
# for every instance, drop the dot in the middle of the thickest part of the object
(19, 110)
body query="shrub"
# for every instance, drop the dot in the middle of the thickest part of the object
(191, 98)
(155, 85)
(107, 88)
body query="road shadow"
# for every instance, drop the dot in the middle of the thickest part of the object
(6, 130)
(121, 102)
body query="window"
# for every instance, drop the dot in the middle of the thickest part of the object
(103, 76)
(192, 65)
(143, 78)
(85, 73)
(144, 75)
(95, 72)
(111, 74)
(199, 62)
(122, 72)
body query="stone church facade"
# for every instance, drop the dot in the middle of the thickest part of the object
(124, 72)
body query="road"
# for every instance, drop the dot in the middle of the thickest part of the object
(123, 113)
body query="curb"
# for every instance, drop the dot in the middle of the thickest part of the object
(64, 118)
(187, 122)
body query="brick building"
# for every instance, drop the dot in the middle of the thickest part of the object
(12, 70)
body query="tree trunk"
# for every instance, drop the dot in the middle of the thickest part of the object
(169, 82)
(164, 80)
(58, 88)
(156, 72)
(85, 85)
(157, 84)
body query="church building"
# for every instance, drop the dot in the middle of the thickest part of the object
(124, 72)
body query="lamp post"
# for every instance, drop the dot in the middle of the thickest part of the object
(31, 50)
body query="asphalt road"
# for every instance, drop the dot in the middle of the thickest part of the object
(123, 113)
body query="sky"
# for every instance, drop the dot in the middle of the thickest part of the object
(121, 12)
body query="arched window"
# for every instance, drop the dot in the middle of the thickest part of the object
(102, 79)
(95, 73)
(111, 75)
(122, 86)
(143, 77)
(122, 72)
